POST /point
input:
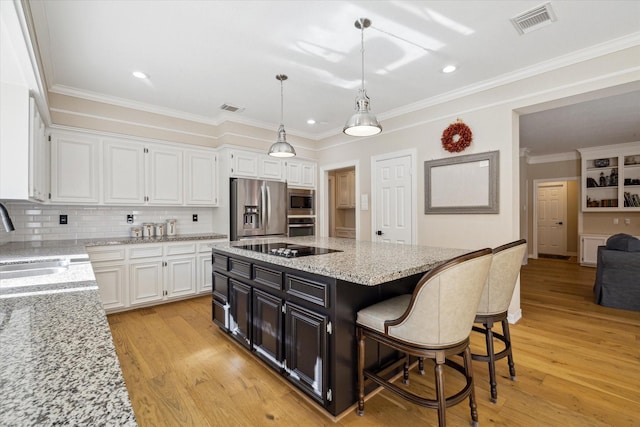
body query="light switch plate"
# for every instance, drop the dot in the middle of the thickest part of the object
(364, 202)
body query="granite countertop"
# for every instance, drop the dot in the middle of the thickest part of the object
(46, 249)
(362, 262)
(58, 364)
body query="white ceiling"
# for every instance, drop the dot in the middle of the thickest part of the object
(202, 54)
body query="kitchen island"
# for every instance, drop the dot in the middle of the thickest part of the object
(298, 314)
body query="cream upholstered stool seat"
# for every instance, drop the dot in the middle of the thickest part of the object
(494, 305)
(434, 322)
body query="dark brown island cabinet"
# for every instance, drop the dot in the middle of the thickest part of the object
(300, 324)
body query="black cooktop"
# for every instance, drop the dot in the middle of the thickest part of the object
(287, 250)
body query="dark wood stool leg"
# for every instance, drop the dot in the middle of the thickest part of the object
(405, 370)
(361, 353)
(468, 367)
(507, 339)
(421, 365)
(492, 360)
(440, 396)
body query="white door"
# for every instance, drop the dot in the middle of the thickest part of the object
(552, 218)
(394, 200)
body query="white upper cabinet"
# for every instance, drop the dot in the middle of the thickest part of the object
(74, 168)
(123, 172)
(24, 148)
(250, 164)
(164, 176)
(39, 156)
(301, 173)
(243, 164)
(270, 167)
(201, 178)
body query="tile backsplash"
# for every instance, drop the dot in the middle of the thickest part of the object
(35, 222)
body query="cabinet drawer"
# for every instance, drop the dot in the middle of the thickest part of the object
(241, 268)
(220, 287)
(220, 262)
(180, 249)
(267, 277)
(113, 254)
(314, 292)
(220, 314)
(145, 251)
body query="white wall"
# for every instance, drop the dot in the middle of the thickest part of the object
(490, 115)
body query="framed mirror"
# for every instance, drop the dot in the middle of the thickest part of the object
(462, 184)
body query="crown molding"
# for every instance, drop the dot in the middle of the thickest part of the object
(578, 56)
(551, 158)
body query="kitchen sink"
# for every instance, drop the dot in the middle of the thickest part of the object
(34, 268)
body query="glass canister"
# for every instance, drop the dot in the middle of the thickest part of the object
(136, 231)
(148, 229)
(171, 227)
(160, 227)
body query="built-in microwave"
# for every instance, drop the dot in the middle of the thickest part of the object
(300, 202)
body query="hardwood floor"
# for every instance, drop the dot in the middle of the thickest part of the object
(577, 363)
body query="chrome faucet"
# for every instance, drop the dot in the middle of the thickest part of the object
(6, 219)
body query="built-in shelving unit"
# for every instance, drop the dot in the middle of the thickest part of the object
(611, 178)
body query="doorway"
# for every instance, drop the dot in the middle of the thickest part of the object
(555, 217)
(338, 200)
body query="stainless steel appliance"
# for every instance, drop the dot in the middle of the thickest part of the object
(258, 208)
(287, 250)
(304, 226)
(300, 202)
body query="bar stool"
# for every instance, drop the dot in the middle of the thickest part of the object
(493, 307)
(434, 322)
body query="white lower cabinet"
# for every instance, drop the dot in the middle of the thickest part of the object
(112, 279)
(132, 276)
(146, 281)
(589, 248)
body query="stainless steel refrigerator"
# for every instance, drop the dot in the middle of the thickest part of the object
(258, 208)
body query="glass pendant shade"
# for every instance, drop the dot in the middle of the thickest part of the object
(281, 148)
(363, 122)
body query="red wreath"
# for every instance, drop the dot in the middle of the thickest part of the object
(456, 137)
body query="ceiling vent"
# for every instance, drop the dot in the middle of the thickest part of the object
(232, 108)
(534, 19)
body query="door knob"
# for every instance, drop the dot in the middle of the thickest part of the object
(559, 223)
(379, 233)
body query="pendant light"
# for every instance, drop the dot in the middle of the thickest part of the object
(281, 148)
(363, 122)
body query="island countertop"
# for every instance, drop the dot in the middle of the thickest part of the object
(362, 262)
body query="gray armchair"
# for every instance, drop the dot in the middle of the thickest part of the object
(618, 273)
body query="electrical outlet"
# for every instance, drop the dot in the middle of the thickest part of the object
(130, 219)
(627, 221)
(63, 219)
(195, 217)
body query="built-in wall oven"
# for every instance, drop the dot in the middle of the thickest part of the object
(302, 226)
(300, 202)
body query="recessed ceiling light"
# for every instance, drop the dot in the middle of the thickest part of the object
(311, 122)
(140, 75)
(449, 69)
